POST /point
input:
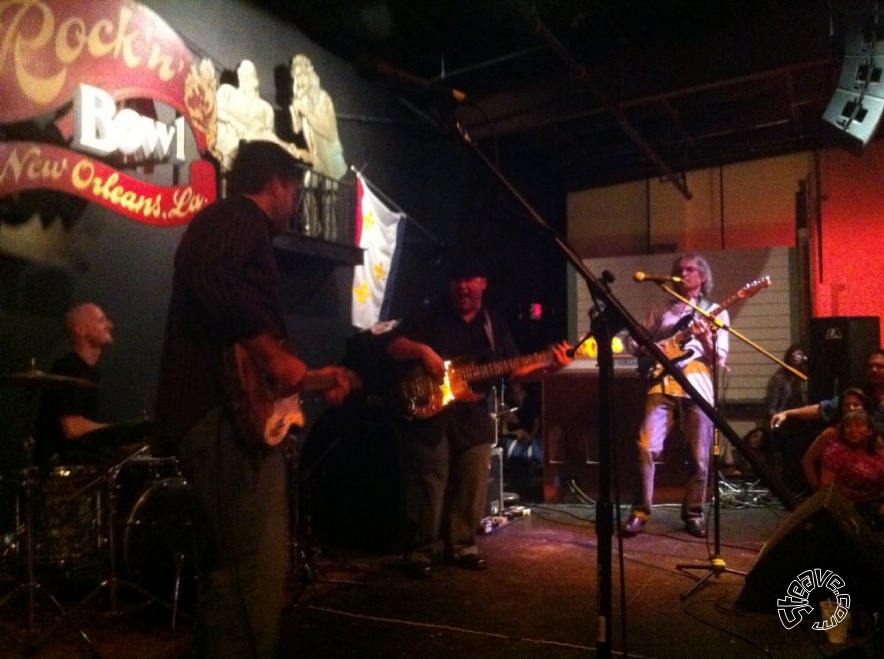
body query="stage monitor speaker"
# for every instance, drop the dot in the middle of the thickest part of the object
(839, 347)
(827, 533)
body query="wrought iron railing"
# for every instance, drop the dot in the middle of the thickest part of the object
(326, 209)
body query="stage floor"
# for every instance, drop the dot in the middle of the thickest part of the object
(538, 599)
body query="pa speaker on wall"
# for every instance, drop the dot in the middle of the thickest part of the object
(823, 533)
(839, 346)
(853, 118)
(855, 110)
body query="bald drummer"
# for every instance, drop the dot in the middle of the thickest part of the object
(66, 414)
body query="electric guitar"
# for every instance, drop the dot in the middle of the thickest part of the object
(424, 396)
(263, 415)
(673, 347)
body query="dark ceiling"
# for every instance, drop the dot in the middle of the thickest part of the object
(604, 91)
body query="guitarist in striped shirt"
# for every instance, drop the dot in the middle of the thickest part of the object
(688, 342)
(225, 293)
(445, 455)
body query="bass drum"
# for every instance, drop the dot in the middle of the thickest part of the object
(160, 537)
(69, 530)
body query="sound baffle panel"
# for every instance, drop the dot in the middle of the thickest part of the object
(839, 346)
(826, 533)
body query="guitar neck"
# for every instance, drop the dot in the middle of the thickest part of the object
(747, 291)
(491, 370)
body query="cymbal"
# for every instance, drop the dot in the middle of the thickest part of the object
(37, 378)
(119, 434)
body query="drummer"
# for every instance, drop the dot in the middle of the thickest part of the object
(66, 414)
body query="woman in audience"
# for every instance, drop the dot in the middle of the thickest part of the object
(854, 462)
(850, 399)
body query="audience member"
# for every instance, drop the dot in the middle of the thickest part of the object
(854, 462)
(785, 389)
(850, 399)
(827, 410)
(789, 441)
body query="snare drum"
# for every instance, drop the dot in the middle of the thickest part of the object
(71, 521)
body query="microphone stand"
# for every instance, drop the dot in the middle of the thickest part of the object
(716, 565)
(612, 316)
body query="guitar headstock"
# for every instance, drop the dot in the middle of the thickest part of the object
(754, 286)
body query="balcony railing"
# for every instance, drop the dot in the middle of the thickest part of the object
(324, 224)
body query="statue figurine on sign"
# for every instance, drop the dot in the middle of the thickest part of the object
(244, 115)
(313, 115)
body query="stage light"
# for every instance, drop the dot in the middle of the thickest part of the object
(590, 347)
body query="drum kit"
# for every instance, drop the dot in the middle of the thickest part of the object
(134, 517)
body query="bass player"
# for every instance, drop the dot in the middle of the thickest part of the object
(688, 341)
(445, 449)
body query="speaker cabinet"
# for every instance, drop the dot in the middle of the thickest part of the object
(825, 533)
(839, 346)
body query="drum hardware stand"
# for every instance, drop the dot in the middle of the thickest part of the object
(31, 586)
(113, 583)
(176, 591)
(716, 565)
(302, 571)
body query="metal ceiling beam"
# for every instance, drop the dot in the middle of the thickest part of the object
(670, 95)
(578, 71)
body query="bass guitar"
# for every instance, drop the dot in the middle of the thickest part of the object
(263, 415)
(425, 396)
(674, 346)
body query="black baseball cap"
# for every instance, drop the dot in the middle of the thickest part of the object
(467, 268)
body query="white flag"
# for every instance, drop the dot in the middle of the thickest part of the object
(377, 231)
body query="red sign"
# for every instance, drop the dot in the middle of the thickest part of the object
(48, 49)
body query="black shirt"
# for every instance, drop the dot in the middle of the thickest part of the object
(225, 289)
(485, 339)
(65, 401)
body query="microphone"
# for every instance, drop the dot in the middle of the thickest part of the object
(377, 70)
(660, 279)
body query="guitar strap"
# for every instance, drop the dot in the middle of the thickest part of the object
(489, 331)
(681, 324)
(685, 321)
